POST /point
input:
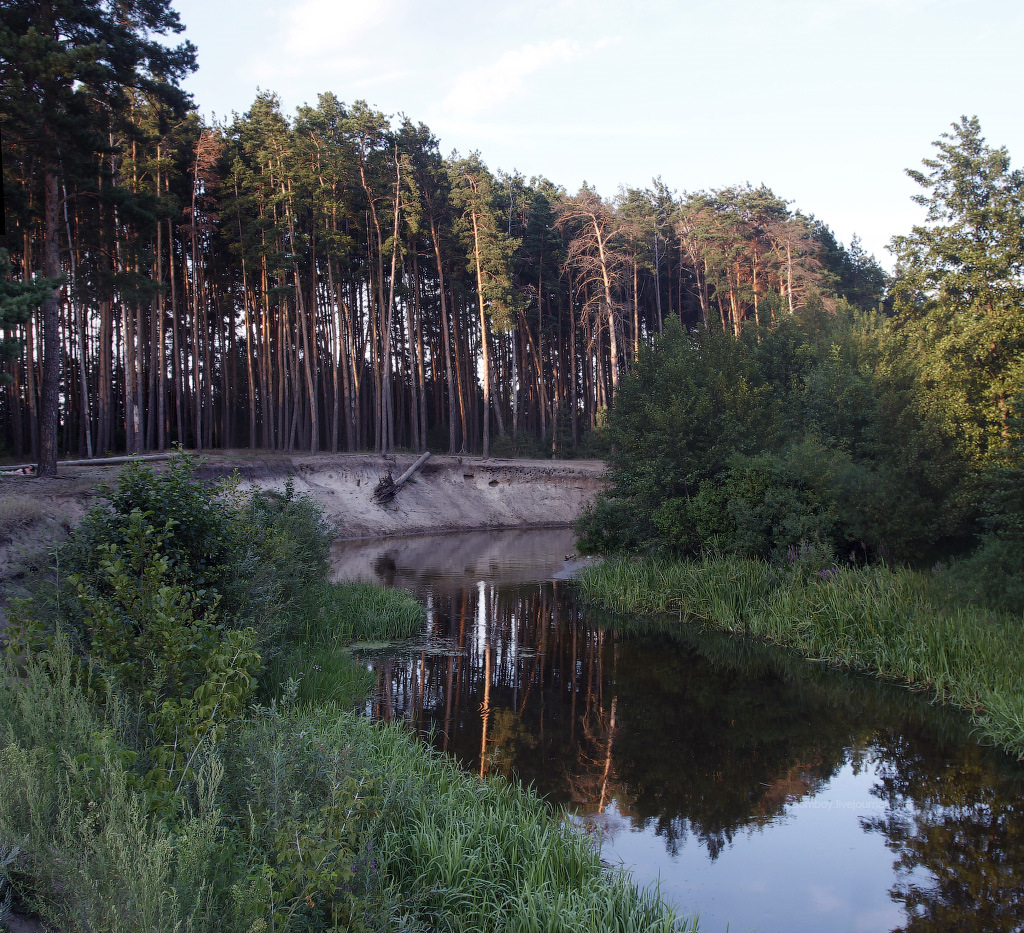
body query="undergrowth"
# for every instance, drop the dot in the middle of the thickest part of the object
(336, 616)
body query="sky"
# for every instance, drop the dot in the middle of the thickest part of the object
(826, 102)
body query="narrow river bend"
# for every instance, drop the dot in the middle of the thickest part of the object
(759, 790)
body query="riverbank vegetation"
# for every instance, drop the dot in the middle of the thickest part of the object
(849, 483)
(897, 623)
(156, 774)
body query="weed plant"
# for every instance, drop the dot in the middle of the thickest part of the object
(900, 624)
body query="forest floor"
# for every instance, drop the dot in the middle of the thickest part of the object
(447, 494)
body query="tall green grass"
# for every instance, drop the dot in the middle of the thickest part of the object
(333, 617)
(420, 846)
(90, 854)
(490, 855)
(291, 815)
(896, 623)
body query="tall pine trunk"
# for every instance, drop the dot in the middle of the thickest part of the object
(50, 408)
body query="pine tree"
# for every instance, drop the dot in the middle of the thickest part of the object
(959, 285)
(17, 301)
(66, 70)
(970, 250)
(490, 251)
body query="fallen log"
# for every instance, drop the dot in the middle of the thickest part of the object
(29, 469)
(387, 487)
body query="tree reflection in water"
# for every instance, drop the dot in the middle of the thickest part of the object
(701, 737)
(952, 820)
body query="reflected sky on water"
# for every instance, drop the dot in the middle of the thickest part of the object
(760, 790)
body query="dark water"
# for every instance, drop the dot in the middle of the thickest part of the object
(759, 790)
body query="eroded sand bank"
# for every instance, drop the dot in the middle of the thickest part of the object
(447, 494)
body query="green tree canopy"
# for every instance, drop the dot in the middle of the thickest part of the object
(959, 286)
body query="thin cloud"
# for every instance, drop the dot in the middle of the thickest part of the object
(318, 27)
(480, 88)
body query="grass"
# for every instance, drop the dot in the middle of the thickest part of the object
(899, 624)
(27, 532)
(16, 511)
(91, 856)
(431, 847)
(490, 855)
(336, 615)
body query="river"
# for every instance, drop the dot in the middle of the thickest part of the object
(759, 790)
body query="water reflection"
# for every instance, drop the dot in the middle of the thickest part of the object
(762, 791)
(958, 842)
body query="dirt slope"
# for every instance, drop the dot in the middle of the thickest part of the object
(447, 494)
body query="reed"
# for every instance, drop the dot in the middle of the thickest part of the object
(899, 624)
(490, 855)
(334, 614)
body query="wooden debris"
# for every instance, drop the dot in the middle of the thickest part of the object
(387, 488)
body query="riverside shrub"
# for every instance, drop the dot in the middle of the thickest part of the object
(803, 431)
(251, 555)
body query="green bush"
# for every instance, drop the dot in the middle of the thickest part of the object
(253, 556)
(689, 405)
(197, 526)
(611, 524)
(157, 645)
(812, 429)
(289, 546)
(992, 575)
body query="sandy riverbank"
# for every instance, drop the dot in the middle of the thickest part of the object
(447, 494)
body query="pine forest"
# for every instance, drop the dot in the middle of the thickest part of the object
(329, 280)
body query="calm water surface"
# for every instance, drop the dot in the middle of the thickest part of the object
(763, 792)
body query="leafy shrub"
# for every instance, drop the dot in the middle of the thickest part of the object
(198, 525)
(595, 444)
(993, 575)
(301, 536)
(254, 555)
(810, 430)
(612, 524)
(287, 556)
(690, 404)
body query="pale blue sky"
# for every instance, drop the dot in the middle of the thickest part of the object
(824, 101)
